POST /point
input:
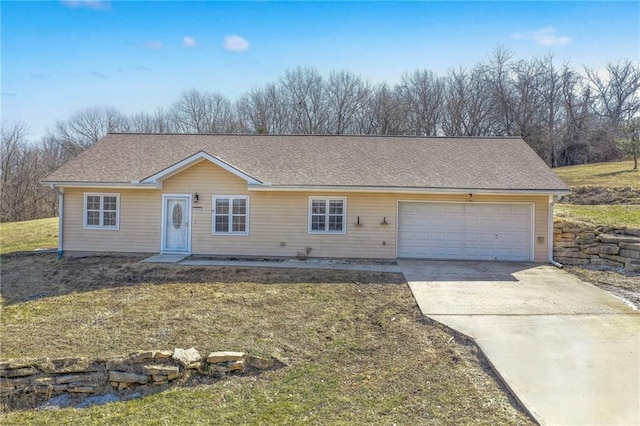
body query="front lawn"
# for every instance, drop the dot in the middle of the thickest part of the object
(357, 348)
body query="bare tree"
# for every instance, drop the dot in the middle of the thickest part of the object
(346, 94)
(306, 100)
(86, 127)
(629, 143)
(381, 114)
(264, 111)
(421, 100)
(22, 166)
(201, 112)
(617, 93)
(468, 109)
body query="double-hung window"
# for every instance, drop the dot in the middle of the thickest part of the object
(327, 215)
(230, 214)
(101, 211)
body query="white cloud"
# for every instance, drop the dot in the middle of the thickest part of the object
(235, 43)
(154, 45)
(189, 41)
(89, 4)
(544, 36)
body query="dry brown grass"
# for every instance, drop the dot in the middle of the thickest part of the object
(358, 349)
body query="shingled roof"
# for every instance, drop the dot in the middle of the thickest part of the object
(323, 161)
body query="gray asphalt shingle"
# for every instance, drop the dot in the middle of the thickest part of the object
(324, 160)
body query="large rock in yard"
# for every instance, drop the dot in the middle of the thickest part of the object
(189, 358)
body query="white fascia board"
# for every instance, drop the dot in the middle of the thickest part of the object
(194, 159)
(106, 185)
(403, 190)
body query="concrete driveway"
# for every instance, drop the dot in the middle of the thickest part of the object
(568, 350)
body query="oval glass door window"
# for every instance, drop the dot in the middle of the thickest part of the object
(177, 216)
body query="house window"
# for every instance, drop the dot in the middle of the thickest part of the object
(230, 215)
(327, 215)
(101, 211)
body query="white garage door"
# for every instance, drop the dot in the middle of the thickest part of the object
(469, 231)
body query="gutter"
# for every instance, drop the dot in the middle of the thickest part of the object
(552, 200)
(104, 185)
(407, 190)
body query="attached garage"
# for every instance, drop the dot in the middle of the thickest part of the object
(466, 231)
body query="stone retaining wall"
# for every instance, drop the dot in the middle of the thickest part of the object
(582, 244)
(49, 377)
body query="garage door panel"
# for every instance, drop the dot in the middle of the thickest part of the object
(473, 231)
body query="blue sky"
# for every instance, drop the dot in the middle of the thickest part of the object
(59, 57)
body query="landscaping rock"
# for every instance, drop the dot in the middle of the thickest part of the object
(215, 357)
(603, 249)
(124, 377)
(187, 357)
(82, 389)
(160, 369)
(630, 253)
(615, 239)
(260, 363)
(597, 246)
(21, 363)
(18, 372)
(79, 378)
(142, 356)
(235, 365)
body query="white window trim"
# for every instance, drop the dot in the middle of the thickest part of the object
(213, 214)
(344, 215)
(101, 195)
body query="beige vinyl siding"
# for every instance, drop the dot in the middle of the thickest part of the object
(278, 221)
(139, 231)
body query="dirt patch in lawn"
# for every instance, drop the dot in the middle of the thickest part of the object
(357, 348)
(596, 195)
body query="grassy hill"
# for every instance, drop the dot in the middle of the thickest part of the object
(611, 175)
(28, 235)
(602, 194)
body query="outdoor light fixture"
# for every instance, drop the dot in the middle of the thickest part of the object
(196, 197)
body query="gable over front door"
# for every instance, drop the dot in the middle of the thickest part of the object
(176, 223)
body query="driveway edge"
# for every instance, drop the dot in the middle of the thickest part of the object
(502, 378)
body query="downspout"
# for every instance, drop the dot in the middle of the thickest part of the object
(60, 222)
(552, 200)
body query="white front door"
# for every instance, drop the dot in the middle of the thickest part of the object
(176, 215)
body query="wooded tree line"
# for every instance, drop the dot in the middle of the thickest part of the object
(567, 115)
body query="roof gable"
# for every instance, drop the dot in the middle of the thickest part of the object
(192, 160)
